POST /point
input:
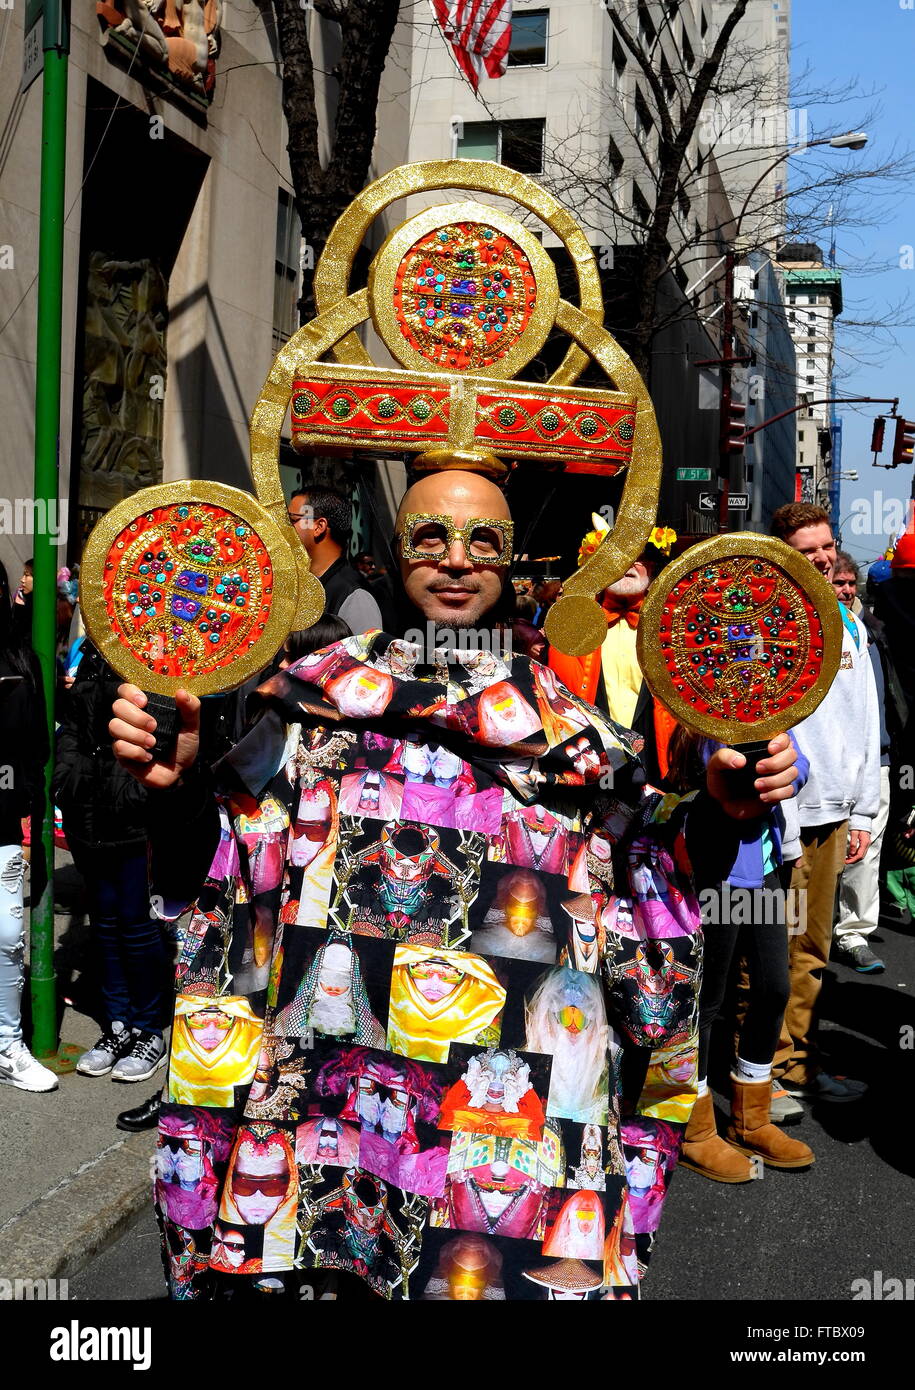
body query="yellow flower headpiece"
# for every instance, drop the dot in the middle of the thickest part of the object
(662, 538)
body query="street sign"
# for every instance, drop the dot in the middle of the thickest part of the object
(47, 26)
(707, 501)
(739, 502)
(694, 475)
(33, 48)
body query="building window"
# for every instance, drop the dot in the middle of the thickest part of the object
(639, 206)
(683, 200)
(703, 23)
(480, 140)
(614, 158)
(530, 31)
(689, 57)
(516, 144)
(287, 269)
(619, 67)
(644, 125)
(670, 87)
(647, 31)
(522, 145)
(810, 380)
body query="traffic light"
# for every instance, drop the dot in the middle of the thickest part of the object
(736, 427)
(904, 443)
(877, 436)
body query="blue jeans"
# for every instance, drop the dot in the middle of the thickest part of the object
(131, 945)
(12, 944)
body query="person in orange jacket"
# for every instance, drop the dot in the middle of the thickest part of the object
(609, 677)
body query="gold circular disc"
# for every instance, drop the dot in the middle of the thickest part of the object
(463, 288)
(190, 585)
(740, 637)
(332, 272)
(577, 627)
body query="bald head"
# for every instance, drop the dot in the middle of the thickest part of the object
(456, 494)
(451, 590)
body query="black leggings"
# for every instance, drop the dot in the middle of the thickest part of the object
(755, 920)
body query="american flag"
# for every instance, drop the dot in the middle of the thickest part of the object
(479, 32)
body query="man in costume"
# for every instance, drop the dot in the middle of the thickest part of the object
(438, 995)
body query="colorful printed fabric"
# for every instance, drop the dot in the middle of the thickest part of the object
(464, 939)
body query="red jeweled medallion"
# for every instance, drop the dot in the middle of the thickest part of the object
(188, 588)
(463, 295)
(738, 636)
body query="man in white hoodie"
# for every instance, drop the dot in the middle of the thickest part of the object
(841, 740)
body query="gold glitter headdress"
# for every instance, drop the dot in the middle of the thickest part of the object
(463, 297)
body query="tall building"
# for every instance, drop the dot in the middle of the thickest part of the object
(576, 110)
(813, 292)
(754, 124)
(769, 387)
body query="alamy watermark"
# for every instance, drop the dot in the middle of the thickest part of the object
(751, 126)
(881, 1288)
(768, 907)
(76, 1342)
(449, 644)
(34, 516)
(34, 1290)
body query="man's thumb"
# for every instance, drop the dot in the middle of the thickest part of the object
(189, 709)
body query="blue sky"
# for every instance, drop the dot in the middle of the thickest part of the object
(842, 40)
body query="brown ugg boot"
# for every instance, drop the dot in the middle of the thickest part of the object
(706, 1152)
(751, 1132)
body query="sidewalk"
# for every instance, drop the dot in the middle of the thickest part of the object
(72, 1181)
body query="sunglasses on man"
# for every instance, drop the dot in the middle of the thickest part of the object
(430, 536)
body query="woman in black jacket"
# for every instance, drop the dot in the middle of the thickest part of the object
(104, 817)
(23, 752)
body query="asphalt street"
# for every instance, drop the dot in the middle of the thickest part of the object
(790, 1236)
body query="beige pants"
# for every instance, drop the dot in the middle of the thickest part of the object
(815, 876)
(859, 887)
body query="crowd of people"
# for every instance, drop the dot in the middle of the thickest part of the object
(825, 832)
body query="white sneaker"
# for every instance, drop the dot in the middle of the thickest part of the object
(146, 1055)
(19, 1068)
(114, 1042)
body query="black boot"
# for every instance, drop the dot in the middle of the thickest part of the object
(145, 1116)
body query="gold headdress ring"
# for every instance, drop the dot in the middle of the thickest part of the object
(196, 584)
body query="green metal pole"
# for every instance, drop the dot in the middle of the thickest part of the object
(47, 442)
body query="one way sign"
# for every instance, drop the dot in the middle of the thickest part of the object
(707, 501)
(739, 502)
